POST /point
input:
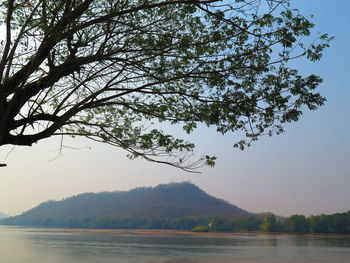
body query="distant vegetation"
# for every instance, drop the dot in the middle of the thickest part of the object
(337, 223)
(181, 206)
(2, 215)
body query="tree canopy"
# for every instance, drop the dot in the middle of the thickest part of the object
(111, 70)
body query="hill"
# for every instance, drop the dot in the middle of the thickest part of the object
(171, 206)
(2, 215)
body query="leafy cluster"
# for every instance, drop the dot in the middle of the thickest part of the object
(109, 69)
(338, 223)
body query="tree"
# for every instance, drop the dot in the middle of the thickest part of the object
(269, 223)
(111, 70)
(298, 224)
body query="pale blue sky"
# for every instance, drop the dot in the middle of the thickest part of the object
(306, 170)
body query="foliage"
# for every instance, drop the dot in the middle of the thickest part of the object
(111, 70)
(298, 224)
(200, 229)
(250, 223)
(269, 223)
(338, 223)
(220, 224)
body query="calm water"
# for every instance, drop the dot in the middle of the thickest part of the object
(26, 245)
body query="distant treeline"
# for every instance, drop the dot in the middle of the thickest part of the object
(336, 223)
(129, 222)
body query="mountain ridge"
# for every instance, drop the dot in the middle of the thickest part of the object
(3, 215)
(163, 206)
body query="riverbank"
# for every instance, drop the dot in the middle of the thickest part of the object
(170, 232)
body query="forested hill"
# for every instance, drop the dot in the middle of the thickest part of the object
(2, 215)
(175, 205)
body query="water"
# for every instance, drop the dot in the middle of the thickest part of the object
(22, 245)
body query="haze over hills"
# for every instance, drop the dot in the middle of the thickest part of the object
(2, 215)
(175, 205)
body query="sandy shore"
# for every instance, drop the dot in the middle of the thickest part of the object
(144, 232)
(179, 232)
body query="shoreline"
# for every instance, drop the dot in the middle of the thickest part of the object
(169, 232)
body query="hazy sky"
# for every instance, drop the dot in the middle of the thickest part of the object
(306, 170)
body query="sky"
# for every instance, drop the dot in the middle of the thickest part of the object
(303, 171)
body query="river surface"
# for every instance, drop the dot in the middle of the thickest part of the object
(39, 245)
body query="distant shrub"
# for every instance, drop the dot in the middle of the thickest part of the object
(200, 229)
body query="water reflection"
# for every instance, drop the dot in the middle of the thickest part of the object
(54, 246)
